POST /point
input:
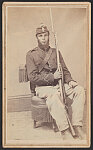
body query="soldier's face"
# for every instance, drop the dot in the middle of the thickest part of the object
(43, 38)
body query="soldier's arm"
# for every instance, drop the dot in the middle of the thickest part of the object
(33, 74)
(67, 74)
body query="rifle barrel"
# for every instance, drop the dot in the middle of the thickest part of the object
(61, 83)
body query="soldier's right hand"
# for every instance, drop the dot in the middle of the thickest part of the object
(58, 74)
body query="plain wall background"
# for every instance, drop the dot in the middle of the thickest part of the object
(70, 25)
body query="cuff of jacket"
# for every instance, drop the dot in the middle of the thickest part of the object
(68, 80)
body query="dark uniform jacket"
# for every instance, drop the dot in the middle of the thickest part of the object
(45, 77)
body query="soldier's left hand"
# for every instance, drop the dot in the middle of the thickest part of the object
(73, 84)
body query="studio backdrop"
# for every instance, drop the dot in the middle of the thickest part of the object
(70, 24)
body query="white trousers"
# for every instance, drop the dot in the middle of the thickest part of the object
(56, 108)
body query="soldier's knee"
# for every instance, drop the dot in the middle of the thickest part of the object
(80, 89)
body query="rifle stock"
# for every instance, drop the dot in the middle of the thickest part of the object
(63, 100)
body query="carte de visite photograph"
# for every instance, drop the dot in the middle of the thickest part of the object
(46, 65)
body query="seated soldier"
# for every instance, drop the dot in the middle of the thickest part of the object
(45, 77)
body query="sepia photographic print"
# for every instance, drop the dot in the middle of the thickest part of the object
(46, 74)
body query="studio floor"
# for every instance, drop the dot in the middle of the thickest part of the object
(20, 131)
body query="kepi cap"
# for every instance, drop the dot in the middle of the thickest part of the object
(41, 29)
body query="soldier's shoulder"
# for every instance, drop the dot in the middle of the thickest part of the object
(53, 50)
(30, 52)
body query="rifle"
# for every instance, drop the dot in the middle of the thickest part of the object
(61, 81)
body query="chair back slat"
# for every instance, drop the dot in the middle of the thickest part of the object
(23, 77)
